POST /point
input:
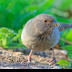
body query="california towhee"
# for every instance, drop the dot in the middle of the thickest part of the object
(41, 33)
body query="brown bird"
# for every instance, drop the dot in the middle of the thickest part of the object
(41, 33)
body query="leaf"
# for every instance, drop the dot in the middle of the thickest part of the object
(4, 41)
(7, 32)
(63, 62)
(68, 36)
(69, 51)
(18, 36)
(62, 43)
(67, 47)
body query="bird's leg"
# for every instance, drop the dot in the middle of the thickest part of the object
(29, 58)
(53, 61)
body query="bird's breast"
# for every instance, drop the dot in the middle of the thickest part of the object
(50, 41)
(41, 44)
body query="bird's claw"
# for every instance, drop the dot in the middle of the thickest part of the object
(28, 60)
(53, 61)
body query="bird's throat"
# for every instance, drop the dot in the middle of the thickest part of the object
(46, 33)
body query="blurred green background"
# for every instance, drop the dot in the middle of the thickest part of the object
(15, 13)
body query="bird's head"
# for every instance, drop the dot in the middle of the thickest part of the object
(44, 22)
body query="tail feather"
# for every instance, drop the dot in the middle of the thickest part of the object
(64, 26)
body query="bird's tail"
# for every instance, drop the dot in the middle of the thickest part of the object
(64, 26)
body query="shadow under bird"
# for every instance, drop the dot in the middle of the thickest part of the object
(41, 33)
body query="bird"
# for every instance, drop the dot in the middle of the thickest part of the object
(42, 33)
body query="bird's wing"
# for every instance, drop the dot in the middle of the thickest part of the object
(64, 26)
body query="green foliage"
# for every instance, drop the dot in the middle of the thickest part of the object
(15, 13)
(63, 62)
(67, 35)
(69, 49)
(10, 39)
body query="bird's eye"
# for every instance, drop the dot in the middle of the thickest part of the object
(45, 21)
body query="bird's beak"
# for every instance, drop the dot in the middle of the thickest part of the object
(54, 23)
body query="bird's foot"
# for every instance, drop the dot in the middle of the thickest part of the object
(28, 60)
(53, 61)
